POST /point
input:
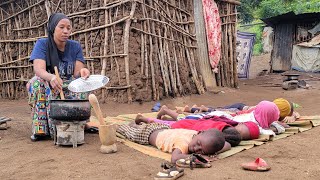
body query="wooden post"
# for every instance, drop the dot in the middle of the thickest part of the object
(126, 48)
(48, 7)
(203, 56)
(104, 60)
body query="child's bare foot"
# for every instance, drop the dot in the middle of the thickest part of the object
(194, 106)
(139, 118)
(203, 108)
(162, 111)
(186, 108)
(132, 124)
(179, 109)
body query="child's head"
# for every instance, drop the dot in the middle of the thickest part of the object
(207, 142)
(265, 113)
(232, 136)
(285, 107)
(248, 130)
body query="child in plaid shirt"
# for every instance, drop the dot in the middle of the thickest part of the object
(179, 142)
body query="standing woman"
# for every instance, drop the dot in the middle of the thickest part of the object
(56, 50)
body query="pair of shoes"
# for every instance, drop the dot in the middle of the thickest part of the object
(169, 172)
(258, 165)
(156, 107)
(194, 161)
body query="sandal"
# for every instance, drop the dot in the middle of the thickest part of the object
(169, 172)
(156, 107)
(258, 165)
(194, 161)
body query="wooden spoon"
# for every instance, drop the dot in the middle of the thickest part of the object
(58, 77)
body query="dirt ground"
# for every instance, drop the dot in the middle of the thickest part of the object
(295, 157)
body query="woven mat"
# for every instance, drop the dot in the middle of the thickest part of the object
(305, 123)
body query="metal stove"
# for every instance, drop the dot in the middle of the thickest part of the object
(69, 133)
(69, 119)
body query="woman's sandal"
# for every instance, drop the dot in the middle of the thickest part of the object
(169, 172)
(194, 161)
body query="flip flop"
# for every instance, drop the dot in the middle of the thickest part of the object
(156, 107)
(3, 123)
(258, 165)
(193, 161)
(169, 172)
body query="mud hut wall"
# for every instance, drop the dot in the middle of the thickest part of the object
(167, 56)
(227, 74)
(147, 48)
(14, 69)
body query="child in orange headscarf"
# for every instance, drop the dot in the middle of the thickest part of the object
(286, 108)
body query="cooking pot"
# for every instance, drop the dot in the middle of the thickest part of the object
(70, 110)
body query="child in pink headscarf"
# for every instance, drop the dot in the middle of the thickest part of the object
(264, 115)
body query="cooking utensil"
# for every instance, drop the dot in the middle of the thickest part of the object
(107, 132)
(70, 110)
(58, 77)
(96, 107)
(93, 82)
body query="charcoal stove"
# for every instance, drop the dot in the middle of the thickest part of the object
(290, 81)
(69, 118)
(290, 77)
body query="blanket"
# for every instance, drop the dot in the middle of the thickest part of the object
(245, 43)
(213, 29)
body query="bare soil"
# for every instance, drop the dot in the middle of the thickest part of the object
(295, 157)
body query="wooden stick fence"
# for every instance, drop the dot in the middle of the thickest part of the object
(228, 75)
(148, 48)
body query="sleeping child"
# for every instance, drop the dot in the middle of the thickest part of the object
(234, 132)
(179, 142)
(241, 131)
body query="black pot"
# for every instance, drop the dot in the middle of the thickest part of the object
(70, 110)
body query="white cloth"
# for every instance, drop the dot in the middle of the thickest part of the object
(220, 114)
(245, 118)
(266, 132)
(280, 128)
(250, 117)
(306, 58)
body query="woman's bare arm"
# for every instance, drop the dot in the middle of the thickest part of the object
(39, 67)
(80, 70)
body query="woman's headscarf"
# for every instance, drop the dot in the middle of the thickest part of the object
(265, 113)
(52, 56)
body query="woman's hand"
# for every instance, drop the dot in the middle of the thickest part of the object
(56, 83)
(84, 73)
